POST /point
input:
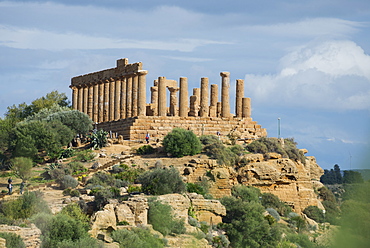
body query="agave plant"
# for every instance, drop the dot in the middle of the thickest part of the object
(98, 139)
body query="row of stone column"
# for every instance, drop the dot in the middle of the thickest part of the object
(199, 101)
(113, 99)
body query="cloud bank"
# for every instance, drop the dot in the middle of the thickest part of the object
(330, 75)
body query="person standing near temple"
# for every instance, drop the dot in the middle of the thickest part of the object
(147, 138)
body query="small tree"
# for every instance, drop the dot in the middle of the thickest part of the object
(181, 142)
(21, 167)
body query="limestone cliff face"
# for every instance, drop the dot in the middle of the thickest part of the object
(292, 181)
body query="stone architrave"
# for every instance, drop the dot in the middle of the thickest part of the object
(184, 104)
(101, 102)
(247, 110)
(85, 98)
(135, 83)
(74, 97)
(173, 100)
(162, 109)
(214, 99)
(123, 97)
(142, 93)
(117, 99)
(95, 103)
(80, 99)
(106, 101)
(90, 101)
(225, 96)
(239, 97)
(112, 91)
(204, 98)
(129, 97)
(154, 99)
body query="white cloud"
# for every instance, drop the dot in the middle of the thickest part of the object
(331, 75)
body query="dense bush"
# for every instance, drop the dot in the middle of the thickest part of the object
(145, 149)
(98, 139)
(126, 173)
(269, 200)
(21, 167)
(77, 121)
(162, 181)
(301, 240)
(195, 188)
(136, 238)
(12, 240)
(85, 156)
(313, 212)
(67, 181)
(215, 149)
(289, 150)
(81, 243)
(24, 206)
(103, 195)
(161, 218)
(180, 142)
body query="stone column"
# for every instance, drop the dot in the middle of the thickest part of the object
(90, 101)
(184, 104)
(239, 97)
(112, 86)
(214, 99)
(154, 99)
(173, 100)
(225, 99)
(123, 97)
(129, 97)
(193, 106)
(219, 108)
(247, 110)
(117, 99)
(85, 98)
(96, 103)
(74, 97)
(80, 99)
(196, 92)
(162, 109)
(135, 82)
(142, 93)
(101, 102)
(106, 101)
(204, 98)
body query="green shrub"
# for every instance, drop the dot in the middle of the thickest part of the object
(246, 193)
(42, 221)
(273, 213)
(75, 193)
(103, 195)
(195, 188)
(128, 174)
(24, 206)
(21, 167)
(269, 200)
(73, 210)
(136, 238)
(85, 156)
(161, 218)
(180, 142)
(98, 139)
(81, 243)
(145, 149)
(61, 228)
(220, 241)
(215, 149)
(67, 153)
(12, 240)
(76, 167)
(313, 212)
(301, 240)
(162, 181)
(67, 181)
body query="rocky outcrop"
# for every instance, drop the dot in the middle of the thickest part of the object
(30, 235)
(210, 211)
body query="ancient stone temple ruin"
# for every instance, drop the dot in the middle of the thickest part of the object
(115, 99)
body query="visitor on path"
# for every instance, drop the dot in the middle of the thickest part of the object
(21, 187)
(147, 138)
(10, 180)
(10, 188)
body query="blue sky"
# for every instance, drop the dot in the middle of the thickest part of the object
(306, 62)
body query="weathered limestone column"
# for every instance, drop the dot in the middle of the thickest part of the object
(214, 99)
(141, 111)
(117, 99)
(173, 100)
(154, 98)
(96, 103)
(106, 101)
(74, 97)
(162, 109)
(225, 98)
(85, 99)
(123, 97)
(112, 86)
(204, 98)
(101, 102)
(184, 104)
(135, 82)
(80, 99)
(239, 98)
(219, 108)
(247, 110)
(196, 92)
(193, 106)
(90, 100)
(129, 97)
